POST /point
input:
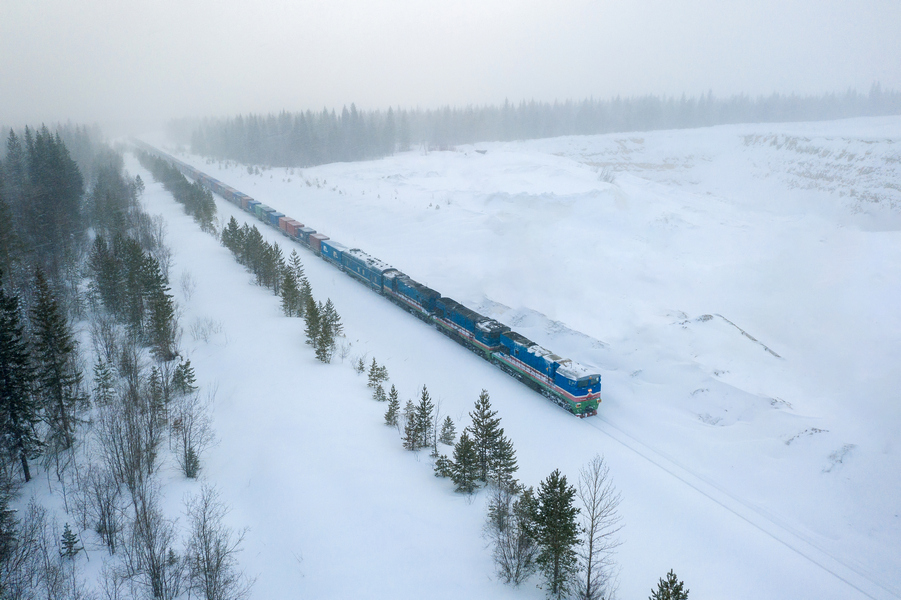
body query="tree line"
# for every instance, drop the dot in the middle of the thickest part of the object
(308, 138)
(286, 279)
(196, 199)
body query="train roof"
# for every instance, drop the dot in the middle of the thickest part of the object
(534, 348)
(573, 370)
(370, 261)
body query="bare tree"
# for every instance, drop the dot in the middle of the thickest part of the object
(100, 501)
(148, 553)
(600, 523)
(212, 550)
(509, 528)
(193, 430)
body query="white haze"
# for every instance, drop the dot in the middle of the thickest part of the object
(106, 61)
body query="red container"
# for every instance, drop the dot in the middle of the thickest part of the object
(293, 226)
(283, 223)
(316, 241)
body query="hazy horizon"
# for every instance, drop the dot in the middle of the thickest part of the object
(103, 62)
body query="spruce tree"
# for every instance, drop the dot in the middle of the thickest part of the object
(486, 432)
(448, 432)
(332, 319)
(393, 408)
(411, 433)
(379, 394)
(423, 418)
(58, 376)
(290, 294)
(231, 236)
(557, 533)
(183, 379)
(295, 266)
(325, 342)
(464, 471)
(70, 543)
(104, 383)
(311, 315)
(306, 293)
(502, 463)
(670, 589)
(18, 410)
(374, 379)
(443, 466)
(360, 367)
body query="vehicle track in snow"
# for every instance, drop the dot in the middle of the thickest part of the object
(855, 576)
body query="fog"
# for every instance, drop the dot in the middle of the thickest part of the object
(109, 61)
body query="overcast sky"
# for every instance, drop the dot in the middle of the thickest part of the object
(107, 60)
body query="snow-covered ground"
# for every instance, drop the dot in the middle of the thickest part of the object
(737, 288)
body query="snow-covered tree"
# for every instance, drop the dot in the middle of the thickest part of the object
(557, 534)
(670, 589)
(464, 472)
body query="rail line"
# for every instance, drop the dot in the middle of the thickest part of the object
(850, 575)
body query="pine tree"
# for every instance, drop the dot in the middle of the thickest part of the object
(443, 466)
(486, 432)
(557, 533)
(374, 374)
(331, 318)
(379, 394)
(18, 411)
(325, 343)
(306, 293)
(464, 470)
(393, 408)
(70, 543)
(231, 236)
(290, 294)
(58, 376)
(448, 432)
(502, 462)
(423, 418)
(360, 367)
(670, 589)
(311, 314)
(104, 383)
(411, 434)
(163, 325)
(183, 379)
(295, 266)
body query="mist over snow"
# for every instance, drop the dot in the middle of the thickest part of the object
(735, 286)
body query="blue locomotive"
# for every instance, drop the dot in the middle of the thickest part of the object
(566, 382)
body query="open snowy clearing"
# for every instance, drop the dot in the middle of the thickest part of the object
(736, 287)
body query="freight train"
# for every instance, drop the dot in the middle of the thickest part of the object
(566, 382)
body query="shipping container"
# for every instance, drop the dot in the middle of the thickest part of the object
(274, 216)
(304, 234)
(283, 223)
(292, 226)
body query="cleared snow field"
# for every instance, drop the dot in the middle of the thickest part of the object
(737, 288)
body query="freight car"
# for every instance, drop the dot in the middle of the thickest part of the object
(566, 382)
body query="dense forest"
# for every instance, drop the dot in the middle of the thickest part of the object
(95, 392)
(307, 138)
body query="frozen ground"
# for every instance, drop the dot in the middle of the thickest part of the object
(737, 288)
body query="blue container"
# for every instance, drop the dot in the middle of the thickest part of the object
(274, 216)
(252, 206)
(304, 234)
